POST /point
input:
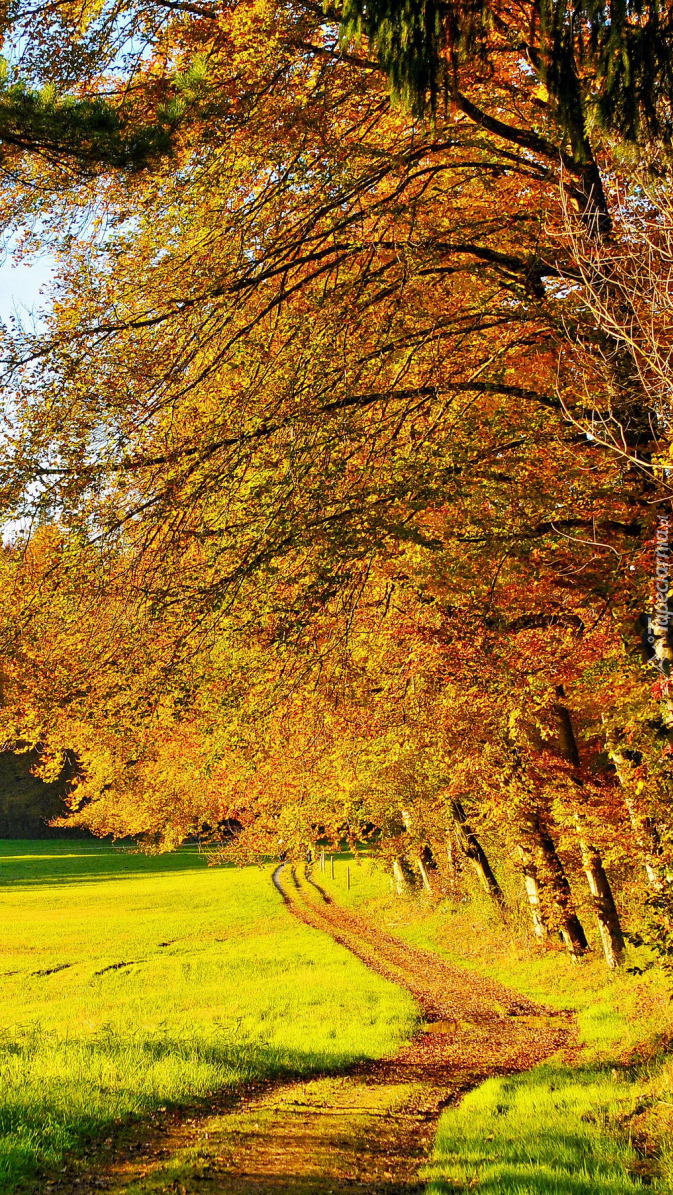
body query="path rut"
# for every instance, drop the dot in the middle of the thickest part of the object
(371, 1128)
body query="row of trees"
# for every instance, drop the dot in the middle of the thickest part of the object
(336, 476)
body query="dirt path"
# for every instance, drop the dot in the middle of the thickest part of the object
(371, 1128)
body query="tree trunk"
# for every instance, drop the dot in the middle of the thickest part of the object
(645, 832)
(423, 872)
(604, 903)
(544, 875)
(532, 886)
(400, 880)
(609, 925)
(452, 868)
(421, 856)
(556, 883)
(476, 855)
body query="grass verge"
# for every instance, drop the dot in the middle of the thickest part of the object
(545, 1132)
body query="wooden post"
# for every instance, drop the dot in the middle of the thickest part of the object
(322, 861)
(348, 878)
(331, 862)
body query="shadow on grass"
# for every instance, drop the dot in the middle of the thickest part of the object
(51, 864)
(554, 1130)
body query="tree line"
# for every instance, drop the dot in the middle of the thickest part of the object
(336, 477)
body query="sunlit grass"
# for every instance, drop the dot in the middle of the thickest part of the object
(220, 984)
(542, 1133)
(223, 985)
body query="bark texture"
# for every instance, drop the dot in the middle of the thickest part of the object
(476, 855)
(555, 885)
(605, 909)
(533, 888)
(607, 917)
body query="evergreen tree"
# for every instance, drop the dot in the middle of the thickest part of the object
(606, 65)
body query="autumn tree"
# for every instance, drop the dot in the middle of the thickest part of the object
(317, 348)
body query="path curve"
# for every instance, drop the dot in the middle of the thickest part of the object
(371, 1127)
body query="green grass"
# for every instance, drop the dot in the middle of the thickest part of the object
(602, 1125)
(221, 984)
(542, 1133)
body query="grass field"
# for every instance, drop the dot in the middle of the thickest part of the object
(129, 983)
(599, 1124)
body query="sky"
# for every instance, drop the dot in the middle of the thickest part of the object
(20, 285)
